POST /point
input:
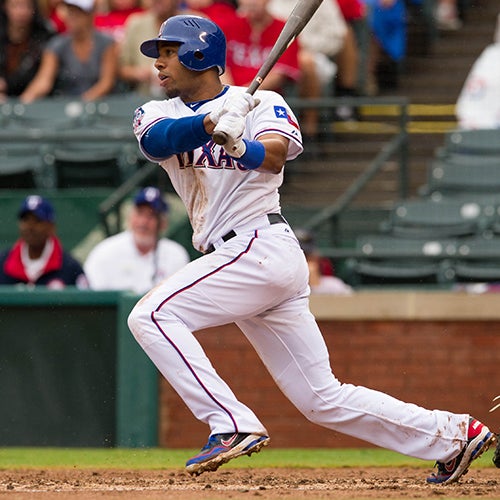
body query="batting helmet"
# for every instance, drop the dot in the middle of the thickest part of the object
(202, 42)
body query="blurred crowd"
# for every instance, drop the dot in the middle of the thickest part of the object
(90, 48)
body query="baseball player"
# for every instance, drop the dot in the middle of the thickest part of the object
(253, 271)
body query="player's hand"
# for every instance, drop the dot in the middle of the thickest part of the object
(233, 126)
(241, 104)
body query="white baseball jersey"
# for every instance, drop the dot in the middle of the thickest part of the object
(116, 264)
(218, 193)
(258, 279)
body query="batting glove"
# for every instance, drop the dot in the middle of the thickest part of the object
(241, 104)
(232, 125)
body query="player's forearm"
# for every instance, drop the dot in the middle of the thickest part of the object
(276, 147)
(168, 137)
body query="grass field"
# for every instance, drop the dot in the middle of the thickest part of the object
(155, 458)
(157, 474)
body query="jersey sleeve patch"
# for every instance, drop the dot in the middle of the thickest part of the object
(281, 112)
(138, 116)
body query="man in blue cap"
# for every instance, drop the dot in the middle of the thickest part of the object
(38, 258)
(137, 258)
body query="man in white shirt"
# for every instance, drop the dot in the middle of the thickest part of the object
(138, 258)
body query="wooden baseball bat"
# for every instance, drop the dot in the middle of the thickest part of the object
(299, 17)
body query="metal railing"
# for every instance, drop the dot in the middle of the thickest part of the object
(396, 146)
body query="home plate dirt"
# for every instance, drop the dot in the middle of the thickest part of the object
(280, 483)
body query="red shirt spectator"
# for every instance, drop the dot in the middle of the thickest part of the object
(248, 48)
(113, 21)
(221, 12)
(352, 9)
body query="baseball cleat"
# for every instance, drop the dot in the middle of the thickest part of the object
(479, 439)
(224, 447)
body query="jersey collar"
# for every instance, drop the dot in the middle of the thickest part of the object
(197, 104)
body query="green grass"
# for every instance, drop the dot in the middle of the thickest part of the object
(156, 458)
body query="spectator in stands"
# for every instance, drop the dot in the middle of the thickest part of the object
(221, 12)
(139, 258)
(53, 11)
(81, 62)
(23, 35)
(321, 278)
(250, 40)
(112, 20)
(478, 105)
(330, 43)
(136, 69)
(38, 257)
(446, 15)
(387, 47)
(352, 60)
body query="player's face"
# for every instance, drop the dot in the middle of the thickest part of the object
(176, 80)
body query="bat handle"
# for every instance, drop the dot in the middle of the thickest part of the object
(219, 137)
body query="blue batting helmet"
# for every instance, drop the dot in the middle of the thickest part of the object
(202, 42)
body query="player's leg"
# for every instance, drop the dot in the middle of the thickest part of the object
(291, 346)
(210, 291)
(162, 323)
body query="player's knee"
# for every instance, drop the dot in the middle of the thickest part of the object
(137, 322)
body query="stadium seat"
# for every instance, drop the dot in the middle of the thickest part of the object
(426, 218)
(118, 110)
(51, 112)
(459, 174)
(478, 260)
(20, 165)
(88, 165)
(387, 259)
(471, 142)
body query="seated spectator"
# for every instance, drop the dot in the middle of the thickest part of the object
(324, 36)
(138, 258)
(249, 42)
(250, 39)
(113, 20)
(387, 48)
(23, 35)
(135, 68)
(446, 15)
(221, 12)
(38, 258)
(352, 59)
(81, 62)
(321, 278)
(329, 43)
(53, 11)
(478, 105)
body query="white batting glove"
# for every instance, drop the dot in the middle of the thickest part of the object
(233, 126)
(241, 104)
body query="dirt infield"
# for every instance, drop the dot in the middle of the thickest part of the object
(237, 484)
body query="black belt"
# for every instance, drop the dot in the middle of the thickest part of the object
(272, 218)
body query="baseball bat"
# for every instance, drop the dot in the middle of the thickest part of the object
(299, 17)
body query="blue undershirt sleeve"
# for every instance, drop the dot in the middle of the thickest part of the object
(171, 136)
